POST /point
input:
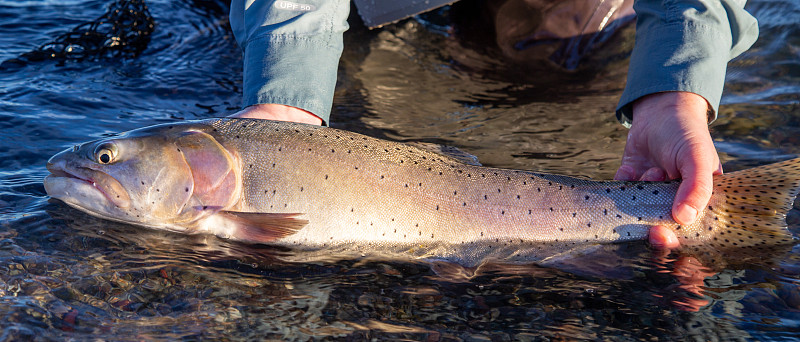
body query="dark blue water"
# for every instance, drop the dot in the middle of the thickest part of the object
(65, 275)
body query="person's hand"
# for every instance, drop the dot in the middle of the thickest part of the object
(669, 139)
(278, 112)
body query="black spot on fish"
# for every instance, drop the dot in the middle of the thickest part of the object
(587, 197)
(186, 189)
(655, 192)
(605, 211)
(608, 190)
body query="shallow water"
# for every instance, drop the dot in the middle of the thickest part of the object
(64, 275)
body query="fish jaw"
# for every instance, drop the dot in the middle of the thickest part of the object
(84, 185)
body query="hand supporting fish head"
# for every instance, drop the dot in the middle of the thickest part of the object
(161, 176)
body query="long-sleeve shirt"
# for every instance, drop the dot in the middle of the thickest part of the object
(685, 45)
(291, 50)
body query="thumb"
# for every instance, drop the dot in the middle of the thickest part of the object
(695, 190)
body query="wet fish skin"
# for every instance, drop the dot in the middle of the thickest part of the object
(315, 187)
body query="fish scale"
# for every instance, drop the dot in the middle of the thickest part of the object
(322, 188)
(397, 188)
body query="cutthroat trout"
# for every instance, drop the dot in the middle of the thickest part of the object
(314, 187)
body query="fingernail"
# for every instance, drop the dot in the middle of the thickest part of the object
(685, 214)
(654, 175)
(624, 174)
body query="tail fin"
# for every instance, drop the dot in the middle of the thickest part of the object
(748, 208)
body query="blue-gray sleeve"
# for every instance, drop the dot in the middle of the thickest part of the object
(291, 51)
(685, 45)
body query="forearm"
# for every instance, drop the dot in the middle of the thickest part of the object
(291, 54)
(685, 46)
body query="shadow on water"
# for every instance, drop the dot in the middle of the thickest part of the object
(441, 77)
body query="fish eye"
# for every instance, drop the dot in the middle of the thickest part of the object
(105, 153)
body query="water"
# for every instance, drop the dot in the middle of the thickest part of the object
(65, 275)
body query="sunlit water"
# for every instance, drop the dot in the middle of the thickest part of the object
(64, 275)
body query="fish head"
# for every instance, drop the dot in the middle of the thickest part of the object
(160, 176)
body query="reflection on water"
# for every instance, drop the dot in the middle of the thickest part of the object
(437, 78)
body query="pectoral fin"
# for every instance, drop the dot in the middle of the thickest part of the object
(254, 227)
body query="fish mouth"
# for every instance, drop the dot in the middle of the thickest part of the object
(79, 177)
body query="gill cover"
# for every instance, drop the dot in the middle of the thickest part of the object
(214, 180)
